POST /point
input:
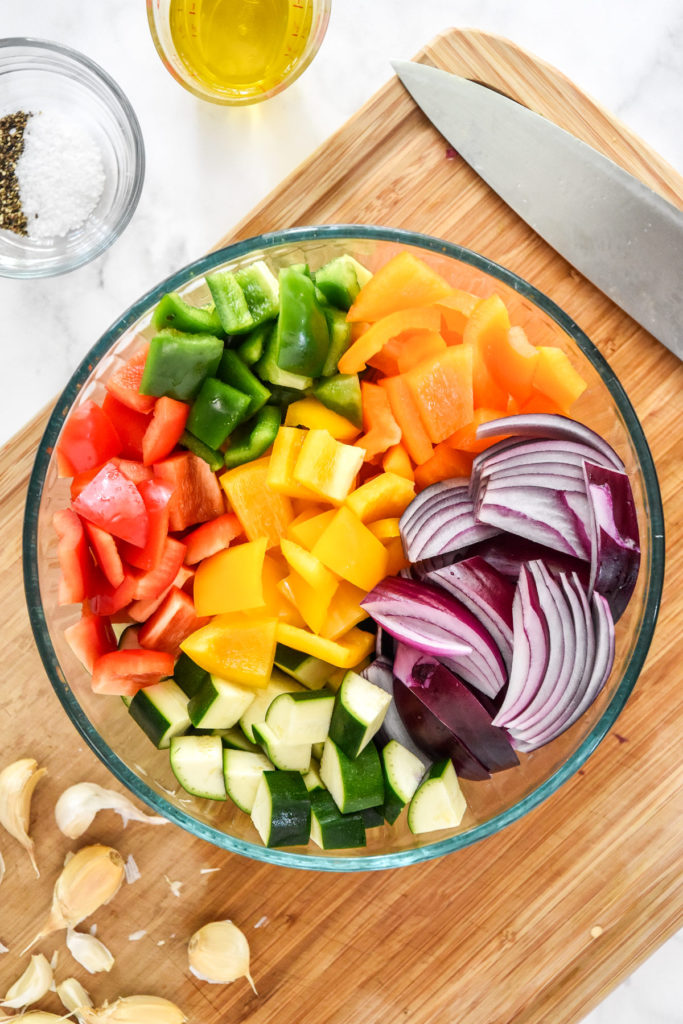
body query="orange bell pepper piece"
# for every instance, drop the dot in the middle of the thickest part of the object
(442, 390)
(465, 439)
(402, 282)
(381, 429)
(396, 460)
(456, 309)
(555, 377)
(445, 464)
(413, 434)
(407, 350)
(414, 318)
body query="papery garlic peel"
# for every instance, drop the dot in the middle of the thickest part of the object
(135, 1010)
(33, 984)
(219, 953)
(78, 805)
(17, 782)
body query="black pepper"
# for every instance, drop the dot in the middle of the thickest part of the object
(12, 127)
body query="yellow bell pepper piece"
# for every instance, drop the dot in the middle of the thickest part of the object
(555, 377)
(308, 566)
(385, 529)
(283, 457)
(349, 549)
(231, 580)
(309, 412)
(387, 494)
(261, 510)
(344, 611)
(237, 647)
(326, 466)
(306, 532)
(276, 605)
(346, 652)
(396, 559)
(311, 603)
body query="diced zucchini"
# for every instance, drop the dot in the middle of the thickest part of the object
(354, 784)
(373, 817)
(219, 703)
(235, 739)
(197, 763)
(256, 712)
(261, 290)
(290, 757)
(438, 801)
(302, 717)
(317, 750)
(402, 774)
(189, 675)
(311, 672)
(359, 711)
(312, 778)
(331, 829)
(161, 712)
(242, 771)
(282, 809)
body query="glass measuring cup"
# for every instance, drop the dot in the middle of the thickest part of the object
(237, 51)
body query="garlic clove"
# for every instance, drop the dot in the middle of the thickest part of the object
(78, 805)
(135, 1010)
(33, 984)
(89, 952)
(73, 996)
(34, 1017)
(91, 878)
(219, 953)
(17, 782)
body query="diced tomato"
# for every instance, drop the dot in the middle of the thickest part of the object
(108, 600)
(164, 430)
(156, 496)
(126, 672)
(140, 611)
(113, 502)
(106, 553)
(75, 562)
(171, 623)
(124, 383)
(90, 638)
(130, 425)
(151, 583)
(134, 470)
(211, 537)
(88, 439)
(197, 495)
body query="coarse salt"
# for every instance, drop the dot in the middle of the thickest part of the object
(60, 175)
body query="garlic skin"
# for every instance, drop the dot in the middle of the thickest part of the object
(33, 984)
(78, 805)
(89, 952)
(219, 953)
(91, 878)
(17, 782)
(135, 1010)
(73, 996)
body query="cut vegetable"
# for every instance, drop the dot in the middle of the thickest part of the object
(302, 717)
(197, 763)
(282, 809)
(438, 802)
(354, 784)
(402, 774)
(359, 711)
(243, 770)
(218, 704)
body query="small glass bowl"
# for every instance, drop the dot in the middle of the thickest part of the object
(104, 722)
(37, 75)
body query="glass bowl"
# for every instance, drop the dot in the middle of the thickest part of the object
(40, 76)
(104, 722)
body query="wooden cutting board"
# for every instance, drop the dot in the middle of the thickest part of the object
(537, 923)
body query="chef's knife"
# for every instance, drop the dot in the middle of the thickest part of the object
(618, 233)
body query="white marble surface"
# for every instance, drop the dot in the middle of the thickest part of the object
(207, 166)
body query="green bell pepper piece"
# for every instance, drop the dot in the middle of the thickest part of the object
(216, 411)
(210, 455)
(272, 374)
(342, 394)
(261, 291)
(341, 279)
(173, 311)
(302, 335)
(254, 438)
(251, 348)
(177, 364)
(234, 372)
(231, 304)
(340, 339)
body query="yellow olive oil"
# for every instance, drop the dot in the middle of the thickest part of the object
(240, 47)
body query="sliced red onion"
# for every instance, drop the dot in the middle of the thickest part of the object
(442, 522)
(538, 513)
(547, 425)
(530, 652)
(404, 660)
(486, 593)
(613, 529)
(429, 499)
(506, 554)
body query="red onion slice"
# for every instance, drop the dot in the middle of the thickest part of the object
(613, 529)
(546, 425)
(530, 650)
(540, 514)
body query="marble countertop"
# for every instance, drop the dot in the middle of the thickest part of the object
(207, 166)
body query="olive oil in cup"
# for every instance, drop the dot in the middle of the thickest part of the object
(237, 51)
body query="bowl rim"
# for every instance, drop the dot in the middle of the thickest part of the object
(285, 857)
(137, 179)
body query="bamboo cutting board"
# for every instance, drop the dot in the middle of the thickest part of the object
(537, 923)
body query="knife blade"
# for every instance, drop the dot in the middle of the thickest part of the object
(625, 238)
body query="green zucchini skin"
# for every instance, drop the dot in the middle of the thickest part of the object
(282, 809)
(331, 829)
(355, 784)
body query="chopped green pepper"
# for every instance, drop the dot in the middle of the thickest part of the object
(231, 304)
(269, 371)
(341, 279)
(261, 291)
(254, 438)
(302, 336)
(234, 372)
(340, 339)
(216, 411)
(251, 349)
(342, 394)
(177, 364)
(173, 311)
(210, 455)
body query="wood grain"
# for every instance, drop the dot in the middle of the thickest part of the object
(537, 923)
